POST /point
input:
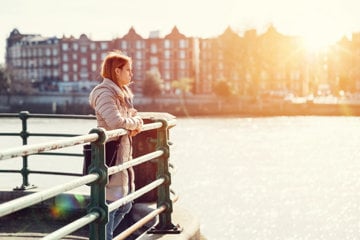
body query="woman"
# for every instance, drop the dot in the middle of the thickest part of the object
(112, 102)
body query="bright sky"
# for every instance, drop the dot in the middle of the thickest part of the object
(317, 20)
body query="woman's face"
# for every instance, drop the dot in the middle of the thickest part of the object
(123, 75)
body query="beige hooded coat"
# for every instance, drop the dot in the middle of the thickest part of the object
(114, 110)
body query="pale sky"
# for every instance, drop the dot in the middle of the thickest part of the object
(318, 20)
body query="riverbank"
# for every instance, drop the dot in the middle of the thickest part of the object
(191, 106)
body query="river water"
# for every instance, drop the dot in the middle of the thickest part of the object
(258, 178)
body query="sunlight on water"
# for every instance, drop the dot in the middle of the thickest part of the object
(270, 178)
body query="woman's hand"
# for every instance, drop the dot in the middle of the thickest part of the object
(132, 112)
(134, 132)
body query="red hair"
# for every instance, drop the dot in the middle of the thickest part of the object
(114, 59)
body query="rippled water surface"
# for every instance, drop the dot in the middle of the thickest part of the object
(261, 178)
(270, 178)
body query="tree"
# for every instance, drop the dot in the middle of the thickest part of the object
(222, 89)
(5, 82)
(184, 85)
(153, 84)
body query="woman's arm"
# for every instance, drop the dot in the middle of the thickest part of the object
(116, 118)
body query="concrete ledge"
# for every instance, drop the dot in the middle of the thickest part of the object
(189, 224)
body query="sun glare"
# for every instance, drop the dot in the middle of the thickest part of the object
(315, 41)
(318, 34)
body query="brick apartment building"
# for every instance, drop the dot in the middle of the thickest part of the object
(71, 63)
(250, 64)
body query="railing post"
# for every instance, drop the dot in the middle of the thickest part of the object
(97, 195)
(165, 224)
(24, 115)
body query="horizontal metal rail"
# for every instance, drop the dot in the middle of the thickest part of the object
(135, 161)
(61, 154)
(9, 134)
(26, 150)
(135, 194)
(126, 233)
(73, 226)
(52, 135)
(152, 126)
(34, 198)
(56, 116)
(9, 115)
(56, 173)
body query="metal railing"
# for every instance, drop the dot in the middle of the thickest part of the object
(97, 210)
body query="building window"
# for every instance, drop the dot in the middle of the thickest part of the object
(139, 44)
(75, 46)
(92, 46)
(182, 64)
(83, 49)
(93, 67)
(93, 56)
(154, 60)
(55, 51)
(153, 48)
(65, 67)
(167, 43)
(182, 54)
(47, 52)
(124, 45)
(83, 61)
(65, 58)
(75, 67)
(167, 64)
(103, 46)
(138, 65)
(138, 54)
(74, 56)
(65, 77)
(167, 54)
(65, 46)
(182, 43)
(84, 74)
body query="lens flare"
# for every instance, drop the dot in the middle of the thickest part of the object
(65, 203)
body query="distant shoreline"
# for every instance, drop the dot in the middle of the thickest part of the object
(190, 107)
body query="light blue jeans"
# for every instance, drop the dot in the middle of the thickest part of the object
(115, 217)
